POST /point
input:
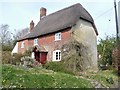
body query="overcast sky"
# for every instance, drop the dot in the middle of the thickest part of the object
(18, 14)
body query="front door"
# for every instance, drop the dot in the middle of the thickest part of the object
(37, 56)
(43, 57)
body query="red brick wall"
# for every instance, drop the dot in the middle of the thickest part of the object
(48, 41)
(30, 42)
(22, 50)
(50, 44)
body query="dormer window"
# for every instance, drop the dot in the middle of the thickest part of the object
(58, 36)
(22, 44)
(36, 41)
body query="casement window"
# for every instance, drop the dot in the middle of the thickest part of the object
(58, 36)
(36, 41)
(22, 44)
(56, 55)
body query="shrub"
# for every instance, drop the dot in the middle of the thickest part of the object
(116, 58)
(29, 62)
(7, 47)
(16, 59)
(57, 67)
(27, 53)
(6, 57)
(105, 48)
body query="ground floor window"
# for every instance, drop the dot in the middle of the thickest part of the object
(56, 55)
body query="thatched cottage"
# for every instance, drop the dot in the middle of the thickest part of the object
(55, 30)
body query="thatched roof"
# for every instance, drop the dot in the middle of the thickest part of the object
(60, 20)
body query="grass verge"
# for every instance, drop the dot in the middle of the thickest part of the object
(107, 78)
(19, 77)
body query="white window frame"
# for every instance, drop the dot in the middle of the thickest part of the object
(36, 41)
(57, 55)
(58, 36)
(23, 44)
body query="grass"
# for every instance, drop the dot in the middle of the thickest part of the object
(19, 77)
(0, 75)
(107, 77)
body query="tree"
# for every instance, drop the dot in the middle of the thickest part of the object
(5, 34)
(5, 37)
(105, 48)
(18, 34)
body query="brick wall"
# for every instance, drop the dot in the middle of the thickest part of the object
(48, 41)
(22, 50)
(50, 44)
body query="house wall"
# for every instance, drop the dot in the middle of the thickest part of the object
(48, 42)
(15, 49)
(84, 33)
(22, 50)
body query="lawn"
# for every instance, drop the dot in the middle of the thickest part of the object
(107, 78)
(19, 77)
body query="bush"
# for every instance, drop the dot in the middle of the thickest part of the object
(7, 47)
(16, 59)
(57, 67)
(27, 52)
(6, 57)
(29, 62)
(105, 48)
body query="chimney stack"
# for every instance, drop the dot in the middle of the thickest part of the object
(42, 12)
(31, 25)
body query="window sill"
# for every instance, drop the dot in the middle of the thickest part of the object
(56, 60)
(35, 44)
(57, 40)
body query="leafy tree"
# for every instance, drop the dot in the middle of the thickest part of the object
(105, 48)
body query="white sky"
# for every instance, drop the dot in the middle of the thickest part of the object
(18, 13)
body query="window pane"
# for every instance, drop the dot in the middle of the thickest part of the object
(59, 55)
(58, 36)
(36, 41)
(22, 45)
(56, 55)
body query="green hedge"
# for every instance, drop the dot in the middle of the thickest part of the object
(58, 67)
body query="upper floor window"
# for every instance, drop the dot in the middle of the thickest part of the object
(56, 55)
(22, 44)
(36, 41)
(57, 36)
